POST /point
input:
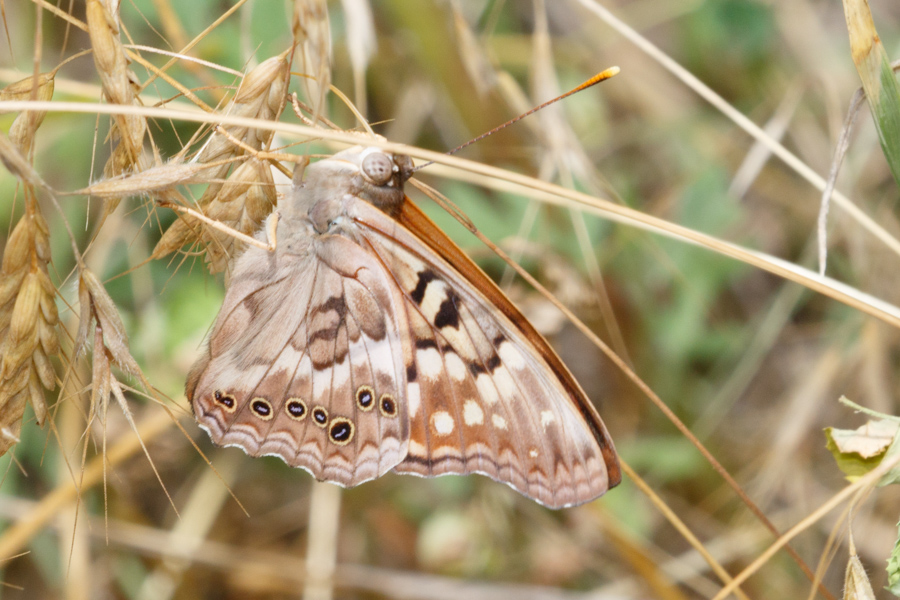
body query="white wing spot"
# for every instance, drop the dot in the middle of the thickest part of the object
(429, 362)
(533, 453)
(455, 366)
(511, 356)
(504, 382)
(442, 422)
(435, 294)
(547, 418)
(486, 388)
(414, 398)
(499, 422)
(472, 413)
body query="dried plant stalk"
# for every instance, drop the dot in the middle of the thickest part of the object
(118, 88)
(28, 319)
(262, 95)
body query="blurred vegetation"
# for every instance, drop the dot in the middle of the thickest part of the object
(752, 363)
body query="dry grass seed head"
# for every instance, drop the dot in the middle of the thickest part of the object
(12, 158)
(312, 34)
(28, 319)
(151, 181)
(262, 95)
(117, 81)
(100, 376)
(22, 131)
(96, 304)
(243, 203)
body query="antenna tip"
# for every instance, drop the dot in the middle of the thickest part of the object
(601, 76)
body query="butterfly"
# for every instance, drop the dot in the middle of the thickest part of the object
(368, 342)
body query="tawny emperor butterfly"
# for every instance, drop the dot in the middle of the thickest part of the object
(369, 342)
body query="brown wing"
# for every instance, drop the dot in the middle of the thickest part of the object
(486, 393)
(304, 362)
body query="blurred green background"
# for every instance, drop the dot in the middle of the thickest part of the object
(754, 365)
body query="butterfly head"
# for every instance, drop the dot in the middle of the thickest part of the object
(369, 173)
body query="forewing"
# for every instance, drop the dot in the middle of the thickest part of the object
(304, 362)
(484, 395)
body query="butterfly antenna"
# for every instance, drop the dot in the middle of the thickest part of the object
(601, 76)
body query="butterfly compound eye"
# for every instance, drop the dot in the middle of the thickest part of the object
(378, 168)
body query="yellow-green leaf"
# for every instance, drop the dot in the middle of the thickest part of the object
(858, 451)
(878, 80)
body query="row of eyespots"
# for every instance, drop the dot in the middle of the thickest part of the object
(297, 410)
(365, 400)
(340, 430)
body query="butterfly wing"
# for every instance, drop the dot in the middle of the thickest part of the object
(303, 361)
(485, 392)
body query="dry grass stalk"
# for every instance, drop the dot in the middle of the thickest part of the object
(15, 163)
(263, 94)
(28, 319)
(22, 131)
(118, 88)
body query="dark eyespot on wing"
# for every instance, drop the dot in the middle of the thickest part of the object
(224, 400)
(365, 397)
(295, 408)
(388, 405)
(340, 431)
(262, 408)
(320, 416)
